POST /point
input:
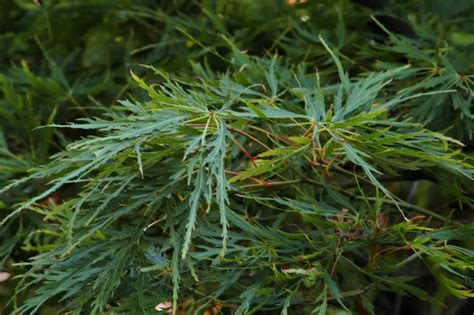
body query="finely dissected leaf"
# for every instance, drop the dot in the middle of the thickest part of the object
(221, 157)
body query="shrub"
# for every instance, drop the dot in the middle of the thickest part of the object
(253, 173)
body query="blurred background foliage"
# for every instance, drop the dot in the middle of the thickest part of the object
(61, 60)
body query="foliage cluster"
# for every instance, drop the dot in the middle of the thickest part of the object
(243, 157)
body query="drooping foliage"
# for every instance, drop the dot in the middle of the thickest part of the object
(236, 157)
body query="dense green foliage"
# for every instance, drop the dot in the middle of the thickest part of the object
(247, 157)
